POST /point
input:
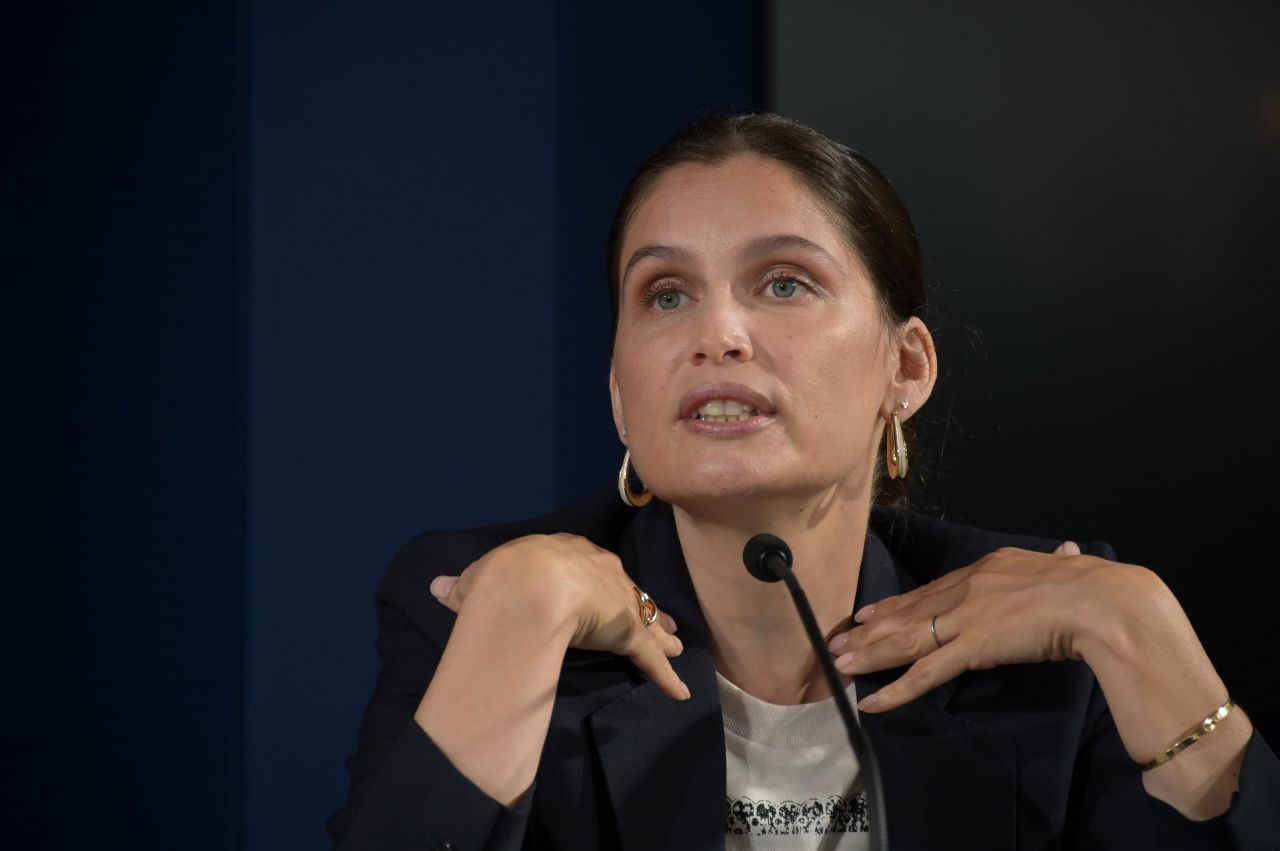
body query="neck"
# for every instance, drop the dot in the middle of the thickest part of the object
(757, 639)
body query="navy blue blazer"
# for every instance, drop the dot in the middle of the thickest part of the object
(1021, 756)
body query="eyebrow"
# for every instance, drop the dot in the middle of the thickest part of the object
(754, 248)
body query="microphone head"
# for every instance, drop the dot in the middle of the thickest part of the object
(761, 547)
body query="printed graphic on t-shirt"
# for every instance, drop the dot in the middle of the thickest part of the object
(833, 814)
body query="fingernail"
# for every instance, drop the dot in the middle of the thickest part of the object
(679, 645)
(864, 613)
(837, 644)
(868, 701)
(687, 694)
(442, 585)
(844, 661)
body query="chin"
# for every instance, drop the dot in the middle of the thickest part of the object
(711, 476)
(724, 484)
(720, 485)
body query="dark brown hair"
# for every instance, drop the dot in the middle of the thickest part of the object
(853, 192)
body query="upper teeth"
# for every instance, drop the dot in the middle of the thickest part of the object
(724, 410)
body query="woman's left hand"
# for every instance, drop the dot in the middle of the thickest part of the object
(1021, 606)
(1011, 606)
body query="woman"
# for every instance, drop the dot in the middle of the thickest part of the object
(769, 351)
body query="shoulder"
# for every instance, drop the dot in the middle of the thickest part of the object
(1046, 705)
(600, 518)
(928, 547)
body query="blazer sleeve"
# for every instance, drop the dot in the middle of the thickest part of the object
(404, 792)
(1113, 810)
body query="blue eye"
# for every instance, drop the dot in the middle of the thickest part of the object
(668, 300)
(783, 287)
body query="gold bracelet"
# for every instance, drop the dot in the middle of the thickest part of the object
(1190, 737)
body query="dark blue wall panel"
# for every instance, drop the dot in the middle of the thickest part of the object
(124, 450)
(403, 342)
(284, 284)
(626, 83)
(431, 188)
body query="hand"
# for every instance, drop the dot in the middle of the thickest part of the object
(565, 576)
(1011, 606)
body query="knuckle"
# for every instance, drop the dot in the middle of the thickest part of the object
(986, 581)
(658, 660)
(920, 672)
(638, 650)
(978, 579)
(907, 689)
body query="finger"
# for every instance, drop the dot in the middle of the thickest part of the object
(900, 601)
(671, 645)
(1067, 548)
(647, 656)
(890, 652)
(668, 643)
(443, 588)
(904, 629)
(926, 674)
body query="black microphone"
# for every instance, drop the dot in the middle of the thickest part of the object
(768, 558)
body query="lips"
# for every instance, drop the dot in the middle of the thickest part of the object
(707, 393)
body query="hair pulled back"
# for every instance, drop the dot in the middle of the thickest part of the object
(858, 199)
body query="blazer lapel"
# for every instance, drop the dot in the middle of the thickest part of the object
(663, 759)
(949, 782)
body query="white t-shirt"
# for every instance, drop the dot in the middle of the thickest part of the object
(792, 781)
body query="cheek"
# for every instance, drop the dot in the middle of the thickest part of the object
(641, 386)
(844, 382)
(841, 410)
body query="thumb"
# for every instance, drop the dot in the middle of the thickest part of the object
(442, 589)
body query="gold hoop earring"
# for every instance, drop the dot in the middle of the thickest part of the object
(895, 448)
(635, 499)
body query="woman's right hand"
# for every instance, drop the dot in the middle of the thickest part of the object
(563, 576)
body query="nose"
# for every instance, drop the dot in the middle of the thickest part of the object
(722, 333)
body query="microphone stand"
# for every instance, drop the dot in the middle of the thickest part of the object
(768, 558)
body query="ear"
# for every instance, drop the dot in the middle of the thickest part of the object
(619, 421)
(915, 369)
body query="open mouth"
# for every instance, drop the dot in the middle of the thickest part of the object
(724, 411)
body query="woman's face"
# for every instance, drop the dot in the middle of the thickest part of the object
(752, 357)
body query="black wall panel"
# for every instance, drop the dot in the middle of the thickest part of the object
(1094, 189)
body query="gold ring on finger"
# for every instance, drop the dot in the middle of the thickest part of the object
(648, 608)
(933, 629)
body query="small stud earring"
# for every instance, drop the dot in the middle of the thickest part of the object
(905, 404)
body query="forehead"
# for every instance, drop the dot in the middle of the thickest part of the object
(717, 207)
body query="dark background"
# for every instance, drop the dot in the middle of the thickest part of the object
(284, 284)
